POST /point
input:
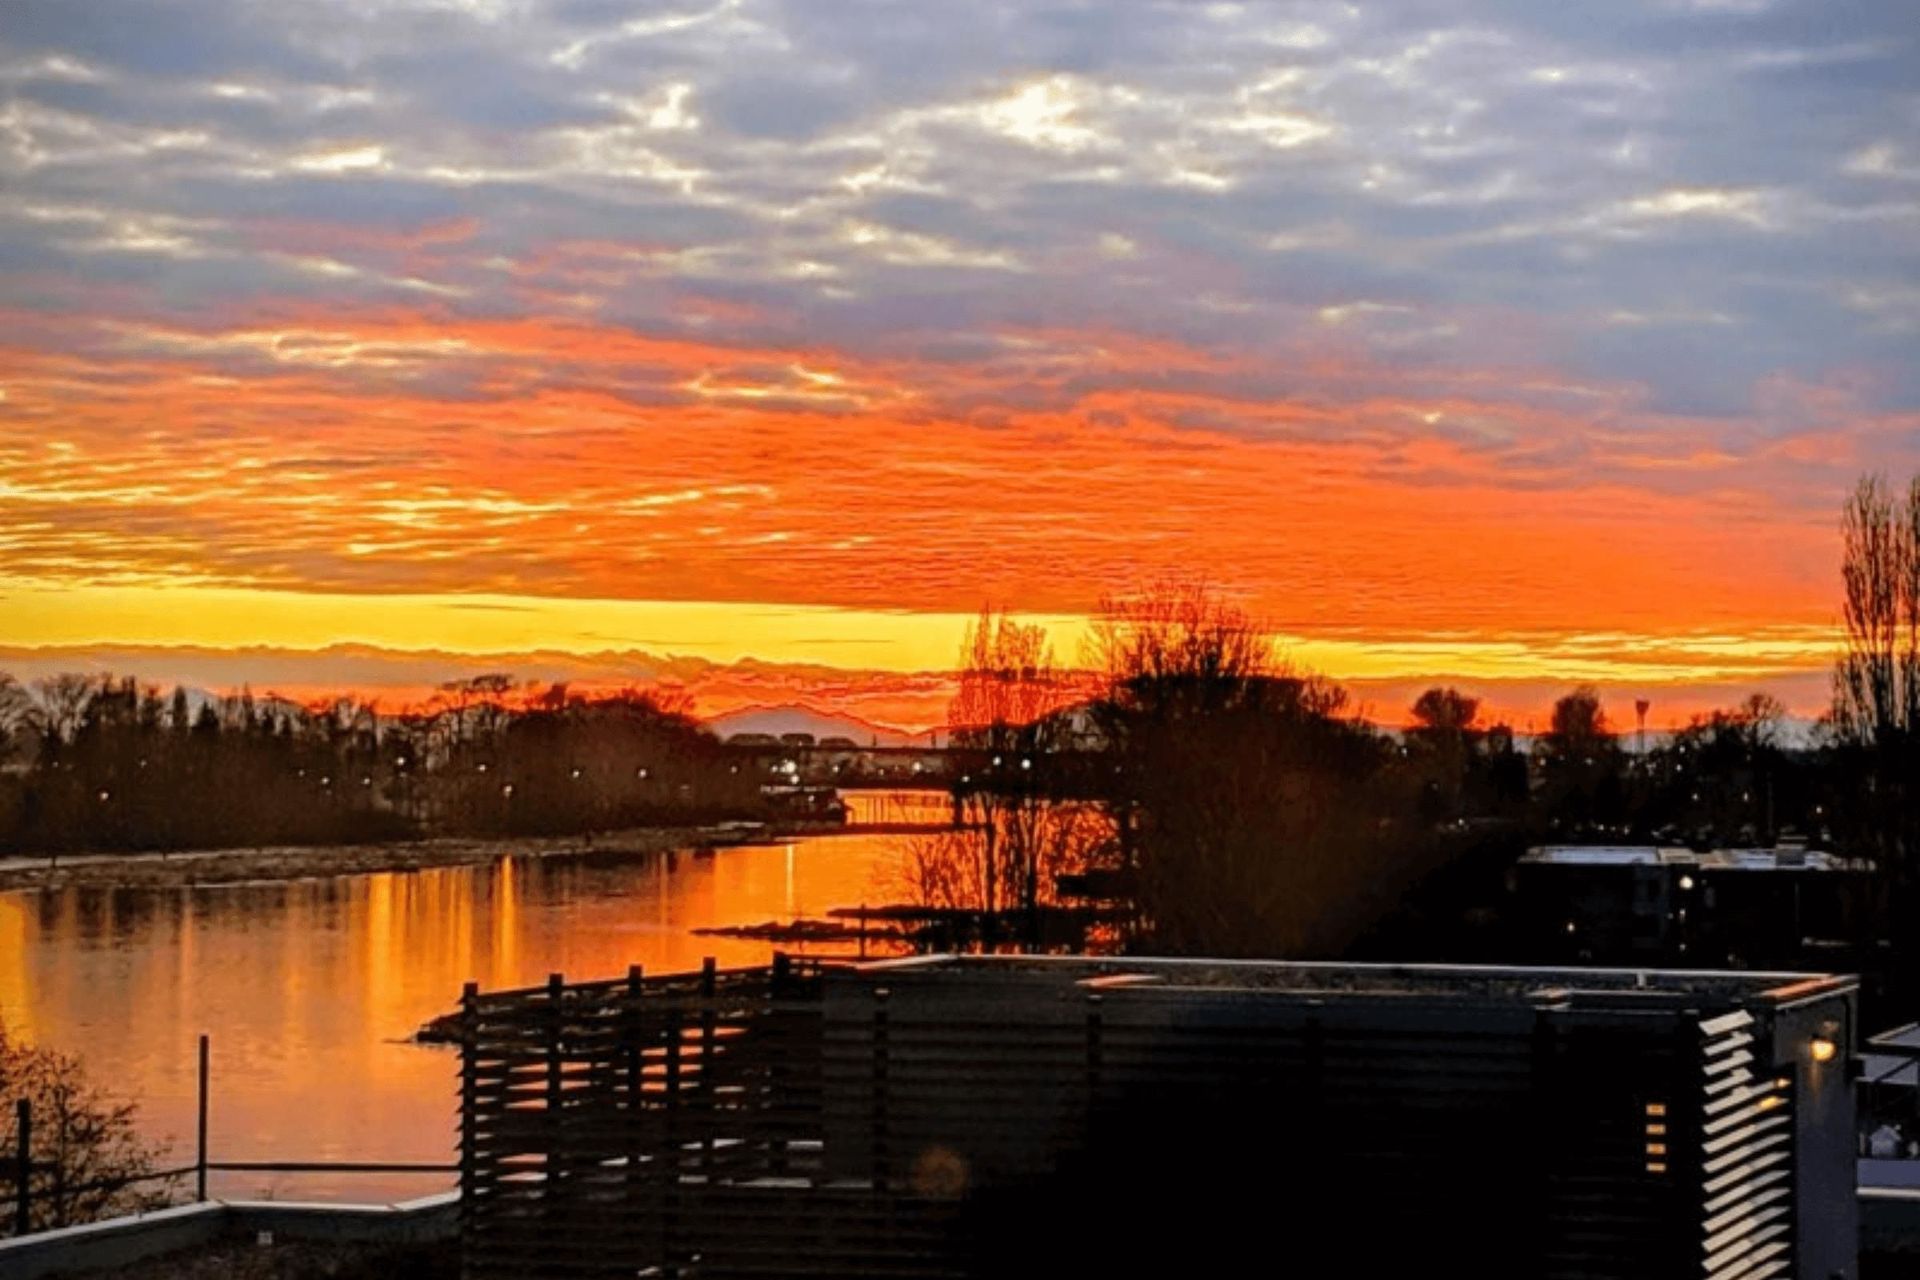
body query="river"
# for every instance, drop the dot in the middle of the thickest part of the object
(310, 989)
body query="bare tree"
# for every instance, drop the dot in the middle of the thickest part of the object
(61, 703)
(1876, 698)
(1004, 723)
(87, 1151)
(17, 718)
(1877, 679)
(1238, 788)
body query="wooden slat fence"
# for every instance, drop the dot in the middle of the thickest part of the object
(794, 1122)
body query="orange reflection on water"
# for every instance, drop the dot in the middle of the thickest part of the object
(310, 989)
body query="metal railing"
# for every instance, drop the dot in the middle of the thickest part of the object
(23, 1168)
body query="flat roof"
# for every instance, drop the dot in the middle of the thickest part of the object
(1648, 855)
(1475, 983)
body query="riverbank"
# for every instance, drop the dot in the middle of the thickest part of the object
(302, 862)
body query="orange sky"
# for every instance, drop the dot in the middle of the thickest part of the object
(735, 355)
(420, 482)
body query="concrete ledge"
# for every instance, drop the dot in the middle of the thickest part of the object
(1890, 1220)
(419, 1221)
(116, 1242)
(119, 1242)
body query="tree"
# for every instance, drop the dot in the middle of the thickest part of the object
(1005, 726)
(1876, 699)
(1247, 801)
(86, 1146)
(62, 704)
(1579, 763)
(16, 716)
(1877, 679)
(1446, 711)
(1443, 745)
(1724, 777)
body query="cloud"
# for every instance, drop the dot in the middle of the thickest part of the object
(1399, 317)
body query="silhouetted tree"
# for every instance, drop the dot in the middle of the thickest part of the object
(1725, 778)
(1005, 727)
(1443, 711)
(1876, 705)
(86, 1146)
(1580, 766)
(1442, 746)
(1260, 819)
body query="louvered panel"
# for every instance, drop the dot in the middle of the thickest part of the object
(1746, 1152)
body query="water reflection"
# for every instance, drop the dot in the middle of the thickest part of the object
(309, 989)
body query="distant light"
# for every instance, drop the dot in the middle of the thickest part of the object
(576, 773)
(1822, 1049)
(1026, 763)
(401, 762)
(996, 762)
(507, 790)
(105, 796)
(1686, 884)
(1570, 928)
(366, 781)
(483, 768)
(640, 772)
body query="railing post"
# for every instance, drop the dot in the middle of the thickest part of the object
(23, 1167)
(709, 993)
(636, 1114)
(670, 1193)
(200, 1156)
(881, 1174)
(469, 1102)
(556, 1145)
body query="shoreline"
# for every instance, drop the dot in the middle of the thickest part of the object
(281, 863)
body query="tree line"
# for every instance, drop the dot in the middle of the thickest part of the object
(1235, 805)
(107, 763)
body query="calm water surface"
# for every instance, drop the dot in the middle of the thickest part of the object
(310, 989)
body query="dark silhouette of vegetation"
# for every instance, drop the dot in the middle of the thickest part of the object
(1253, 815)
(1015, 833)
(99, 763)
(1876, 705)
(89, 1160)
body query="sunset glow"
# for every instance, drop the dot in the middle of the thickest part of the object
(752, 349)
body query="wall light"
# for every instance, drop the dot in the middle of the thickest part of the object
(1822, 1049)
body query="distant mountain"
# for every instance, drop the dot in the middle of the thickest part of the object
(821, 724)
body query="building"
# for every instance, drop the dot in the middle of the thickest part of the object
(1012, 1116)
(1643, 904)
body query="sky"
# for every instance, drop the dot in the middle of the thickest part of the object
(754, 345)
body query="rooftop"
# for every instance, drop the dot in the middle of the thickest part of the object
(1476, 984)
(1785, 857)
